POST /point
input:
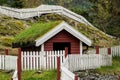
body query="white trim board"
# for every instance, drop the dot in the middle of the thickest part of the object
(60, 27)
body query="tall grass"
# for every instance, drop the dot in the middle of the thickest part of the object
(114, 69)
(34, 75)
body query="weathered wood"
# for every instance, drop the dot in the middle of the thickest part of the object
(32, 12)
(92, 61)
(58, 68)
(115, 51)
(6, 51)
(46, 60)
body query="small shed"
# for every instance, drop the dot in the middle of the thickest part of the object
(51, 36)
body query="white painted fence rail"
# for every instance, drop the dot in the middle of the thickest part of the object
(75, 62)
(15, 75)
(91, 61)
(115, 51)
(66, 74)
(8, 62)
(42, 9)
(41, 60)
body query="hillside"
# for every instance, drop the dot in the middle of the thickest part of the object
(9, 27)
(103, 14)
(98, 38)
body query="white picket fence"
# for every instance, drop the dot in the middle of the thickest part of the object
(66, 74)
(44, 60)
(15, 75)
(92, 61)
(115, 51)
(8, 62)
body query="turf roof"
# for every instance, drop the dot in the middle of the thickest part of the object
(35, 31)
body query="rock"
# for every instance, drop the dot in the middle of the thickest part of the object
(38, 72)
(93, 75)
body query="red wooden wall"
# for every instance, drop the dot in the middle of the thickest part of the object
(64, 36)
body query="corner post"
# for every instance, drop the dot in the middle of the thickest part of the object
(19, 64)
(76, 77)
(66, 51)
(6, 51)
(97, 49)
(109, 51)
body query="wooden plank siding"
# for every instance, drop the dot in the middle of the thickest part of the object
(64, 36)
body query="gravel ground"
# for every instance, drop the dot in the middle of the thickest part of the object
(92, 75)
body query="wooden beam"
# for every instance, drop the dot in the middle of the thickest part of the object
(58, 68)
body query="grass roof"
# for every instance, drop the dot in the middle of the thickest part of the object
(35, 31)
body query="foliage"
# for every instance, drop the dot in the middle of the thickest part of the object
(17, 3)
(114, 69)
(6, 41)
(4, 75)
(9, 27)
(101, 13)
(44, 75)
(97, 37)
(36, 30)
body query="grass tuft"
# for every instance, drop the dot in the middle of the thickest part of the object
(114, 69)
(36, 30)
(33, 75)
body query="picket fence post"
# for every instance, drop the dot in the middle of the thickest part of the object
(6, 51)
(109, 51)
(19, 64)
(66, 51)
(97, 49)
(58, 68)
(76, 77)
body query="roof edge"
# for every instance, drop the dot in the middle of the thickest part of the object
(63, 26)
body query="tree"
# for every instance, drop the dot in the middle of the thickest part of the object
(17, 3)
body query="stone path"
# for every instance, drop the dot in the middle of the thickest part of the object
(93, 75)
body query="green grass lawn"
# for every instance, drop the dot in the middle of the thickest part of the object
(35, 75)
(4, 75)
(114, 69)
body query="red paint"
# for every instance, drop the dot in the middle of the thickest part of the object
(6, 51)
(109, 51)
(119, 78)
(76, 77)
(64, 36)
(66, 52)
(97, 49)
(19, 64)
(58, 68)
(19, 69)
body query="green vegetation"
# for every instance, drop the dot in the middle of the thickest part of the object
(97, 37)
(4, 75)
(114, 69)
(104, 14)
(36, 30)
(9, 27)
(36, 75)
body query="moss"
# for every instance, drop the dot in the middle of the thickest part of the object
(6, 41)
(97, 37)
(36, 30)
